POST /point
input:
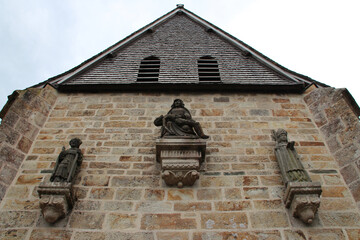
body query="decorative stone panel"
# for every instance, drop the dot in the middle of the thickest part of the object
(180, 160)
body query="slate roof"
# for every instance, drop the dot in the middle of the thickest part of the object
(179, 39)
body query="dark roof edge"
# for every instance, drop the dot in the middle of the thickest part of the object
(190, 87)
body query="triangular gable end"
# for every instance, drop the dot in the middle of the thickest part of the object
(178, 39)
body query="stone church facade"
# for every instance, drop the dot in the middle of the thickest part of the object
(238, 96)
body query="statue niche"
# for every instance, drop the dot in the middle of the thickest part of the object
(302, 195)
(56, 194)
(181, 147)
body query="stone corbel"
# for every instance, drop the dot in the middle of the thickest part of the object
(56, 200)
(56, 194)
(302, 196)
(180, 160)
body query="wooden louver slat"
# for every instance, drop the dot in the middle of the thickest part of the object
(149, 70)
(208, 70)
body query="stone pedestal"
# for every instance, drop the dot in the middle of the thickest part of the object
(180, 160)
(303, 199)
(56, 199)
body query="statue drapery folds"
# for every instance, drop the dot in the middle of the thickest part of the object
(67, 162)
(178, 123)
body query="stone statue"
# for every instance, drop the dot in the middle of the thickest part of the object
(302, 195)
(56, 194)
(178, 123)
(289, 161)
(67, 162)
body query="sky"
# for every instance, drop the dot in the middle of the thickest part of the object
(40, 39)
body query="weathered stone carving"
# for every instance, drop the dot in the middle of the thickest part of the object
(56, 195)
(179, 149)
(302, 195)
(179, 123)
(180, 160)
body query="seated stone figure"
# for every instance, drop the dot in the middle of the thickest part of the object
(67, 162)
(179, 123)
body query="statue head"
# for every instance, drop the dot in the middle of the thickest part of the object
(75, 142)
(178, 103)
(280, 135)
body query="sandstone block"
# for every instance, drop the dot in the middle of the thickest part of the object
(256, 192)
(7, 174)
(209, 194)
(86, 220)
(268, 204)
(121, 221)
(40, 234)
(320, 234)
(166, 221)
(128, 194)
(335, 191)
(118, 206)
(180, 194)
(11, 156)
(135, 181)
(234, 220)
(17, 204)
(192, 206)
(233, 193)
(268, 219)
(29, 179)
(233, 206)
(13, 234)
(96, 180)
(17, 219)
(154, 194)
(248, 235)
(216, 181)
(86, 205)
(342, 219)
(102, 193)
(172, 236)
(353, 234)
(154, 207)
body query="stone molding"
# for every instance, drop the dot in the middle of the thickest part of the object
(180, 160)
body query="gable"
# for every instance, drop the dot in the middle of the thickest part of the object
(179, 39)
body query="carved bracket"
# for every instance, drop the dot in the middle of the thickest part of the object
(303, 199)
(180, 160)
(56, 199)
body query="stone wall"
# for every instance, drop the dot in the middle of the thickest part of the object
(336, 119)
(121, 196)
(19, 127)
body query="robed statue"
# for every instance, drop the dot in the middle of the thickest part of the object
(289, 161)
(67, 162)
(178, 123)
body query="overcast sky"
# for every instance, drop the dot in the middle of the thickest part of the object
(43, 38)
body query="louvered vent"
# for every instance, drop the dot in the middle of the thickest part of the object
(208, 69)
(149, 69)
